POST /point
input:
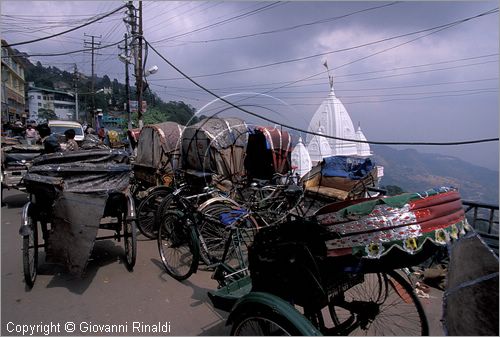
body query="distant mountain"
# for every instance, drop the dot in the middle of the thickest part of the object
(414, 171)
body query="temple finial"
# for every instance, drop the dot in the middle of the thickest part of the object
(330, 76)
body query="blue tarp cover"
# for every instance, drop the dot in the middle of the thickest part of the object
(346, 167)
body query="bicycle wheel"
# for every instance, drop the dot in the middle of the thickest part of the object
(146, 212)
(30, 253)
(213, 234)
(384, 304)
(178, 245)
(130, 242)
(262, 321)
(274, 204)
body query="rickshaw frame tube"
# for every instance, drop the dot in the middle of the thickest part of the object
(278, 306)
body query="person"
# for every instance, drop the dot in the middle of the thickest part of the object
(30, 135)
(49, 141)
(89, 130)
(102, 133)
(71, 144)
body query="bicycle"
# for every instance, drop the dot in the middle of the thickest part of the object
(272, 201)
(292, 281)
(189, 231)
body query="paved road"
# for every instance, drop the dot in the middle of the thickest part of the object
(109, 294)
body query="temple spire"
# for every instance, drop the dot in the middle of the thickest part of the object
(330, 76)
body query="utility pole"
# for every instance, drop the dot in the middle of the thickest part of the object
(91, 44)
(127, 83)
(138, 67)
(75, 79)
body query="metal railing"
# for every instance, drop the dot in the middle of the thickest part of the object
(485, 224)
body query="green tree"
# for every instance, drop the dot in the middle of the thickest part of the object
(154, 116)
(106, 82)
(47, 114)
(44, 83)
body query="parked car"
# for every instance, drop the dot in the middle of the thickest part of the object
(59, 126)
(16, 159)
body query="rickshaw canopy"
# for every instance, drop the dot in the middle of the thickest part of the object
(215, 145)
(159, 146)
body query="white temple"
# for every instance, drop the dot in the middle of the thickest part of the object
(363, 149)
(333, 117)
(301, 161)
(330, 119)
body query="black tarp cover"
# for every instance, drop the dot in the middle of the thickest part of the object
(73, 187)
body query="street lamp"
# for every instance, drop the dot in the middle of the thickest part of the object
(124, 58)
(151, 71)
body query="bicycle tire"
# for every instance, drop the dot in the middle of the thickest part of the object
(129, 242)
(399, 311)
(213, 234)
(178, 245)
(30, 245)
(146, 213)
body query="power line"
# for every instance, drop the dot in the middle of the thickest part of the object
(66, 31)
(309, 132)
(176, 16)
(225, 89)
(280, 30)
(67, 53)
(393, 69)
(47, 15)
(394, 94)
(386, 49)
(435, 29)
(231, 19)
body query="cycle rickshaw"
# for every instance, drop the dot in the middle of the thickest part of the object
(158, 157)
(72, 196)
(336, 273)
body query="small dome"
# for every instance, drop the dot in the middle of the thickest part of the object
(319, 147)
(363, 148)
(301, 161)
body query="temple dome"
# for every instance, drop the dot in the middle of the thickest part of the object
(334, 118)
(301, 161)
(319, 147)
(363, 148)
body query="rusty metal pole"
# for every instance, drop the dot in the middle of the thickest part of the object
(139, 70)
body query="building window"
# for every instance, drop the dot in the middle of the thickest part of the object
(45, 97)
(39, 97)
(39, 104)
(32, 97)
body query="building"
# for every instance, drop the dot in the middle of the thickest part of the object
(13, 99)
(319, 147)
(362, 148)
(43, 102)
(301, 161)
(332, 119)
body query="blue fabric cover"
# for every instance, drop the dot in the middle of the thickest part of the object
(346, 167)
(229, 218)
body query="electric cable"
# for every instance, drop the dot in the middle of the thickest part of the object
(66, 31)
(309, 132)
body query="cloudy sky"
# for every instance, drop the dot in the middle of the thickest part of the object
(407, 71)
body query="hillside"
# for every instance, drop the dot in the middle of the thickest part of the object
(54, 78)
(414, 171)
